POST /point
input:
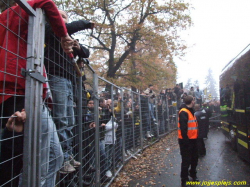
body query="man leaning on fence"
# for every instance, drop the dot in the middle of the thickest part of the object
(62, 80)
(13, 54)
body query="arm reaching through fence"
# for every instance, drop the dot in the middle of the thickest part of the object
(16, 121)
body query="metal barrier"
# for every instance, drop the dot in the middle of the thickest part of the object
(77, 134)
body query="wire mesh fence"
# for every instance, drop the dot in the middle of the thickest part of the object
(68, 131)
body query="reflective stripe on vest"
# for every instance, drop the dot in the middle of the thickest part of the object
(192, 124)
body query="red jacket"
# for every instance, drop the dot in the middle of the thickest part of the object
(13, 44)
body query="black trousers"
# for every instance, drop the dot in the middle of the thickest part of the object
(201, 146)
(189, 155)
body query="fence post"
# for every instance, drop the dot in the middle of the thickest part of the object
(141, 133)
(80, 129)
(113, 137)
(133, 122)
(156, 117)
(123, 132)
(97, 135)
(167, 110)
(162, 114)
(33, 102)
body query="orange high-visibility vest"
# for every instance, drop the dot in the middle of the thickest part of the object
(192, 132)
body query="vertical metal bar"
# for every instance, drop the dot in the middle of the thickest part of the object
(80, 129)
(97, 135)
(141, 130)
(157, 120)
(149, 114)
(162, 114)
(123, 132)
(113, 136)
(33, 103)
(168, 126)
(133, 129)
(28, 127)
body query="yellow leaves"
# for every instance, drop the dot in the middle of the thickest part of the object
(147, 28)
(151, 165)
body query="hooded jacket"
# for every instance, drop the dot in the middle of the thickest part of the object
(203, 122)
(13, 44)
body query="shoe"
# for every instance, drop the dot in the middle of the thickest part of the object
(183, 182)
(148, 134)
(67, 168)
(154, 120)
(193, 176)
(151, 135)
(195, 179)
(74, 163)
(129, 152)
(108, 174)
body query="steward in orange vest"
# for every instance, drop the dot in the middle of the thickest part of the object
(192, 125)
(187, 137)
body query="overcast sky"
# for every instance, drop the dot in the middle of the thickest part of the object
(221, 30)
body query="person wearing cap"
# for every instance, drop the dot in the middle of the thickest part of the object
(187, 138)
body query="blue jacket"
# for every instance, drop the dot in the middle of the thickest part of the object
(198, 94)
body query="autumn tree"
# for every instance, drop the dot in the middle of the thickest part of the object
(189, 84)
(134, 41)
(211, 84)
(196, 84)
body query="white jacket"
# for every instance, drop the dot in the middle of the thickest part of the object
(110, 132)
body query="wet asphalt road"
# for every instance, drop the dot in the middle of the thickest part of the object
(220, 163)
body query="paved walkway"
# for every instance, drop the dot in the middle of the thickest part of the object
(160, 165)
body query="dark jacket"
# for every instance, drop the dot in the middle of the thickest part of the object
(144, 105)
(56, 61)
(203, 122)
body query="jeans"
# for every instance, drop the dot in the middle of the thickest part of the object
(55, 155)
(103, 157)
(63, 112)
(51, 151)
(151, 110)
(108, 149)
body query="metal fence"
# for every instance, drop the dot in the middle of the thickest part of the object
(76, 133)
